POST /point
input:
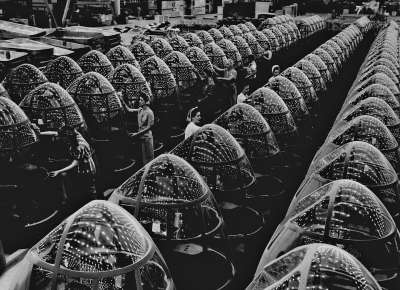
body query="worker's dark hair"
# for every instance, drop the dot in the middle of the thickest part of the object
(191, 113)
(145, 97)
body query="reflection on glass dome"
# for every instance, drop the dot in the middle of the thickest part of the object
(274, 110)
(200, 61)
(302, 83)
(384, 56)
(193, 40)
(368, 129)
(358, 161)
(312, 73)
(379, 109)
(379, 91)
(216, 55)
(160, 78)
(128, 80)
(182, 69)
(290, 95)
(327, 59)
(50, 106)
(365, 74)
(101, 246)
(273, 41)
(169, 192)
(205, 37)
(386, 63)
(343, 213)
(250, 129)
(95, 61)
(321, 67)
(16, 131)
(141, 51)
(218, 157)
(161, 47)
(23, 79)
(178, 43)
(256, 49)
(226, 32)
(63, 71)
(231, 51)
(98, 100)
(314, 266)
(216, 34)
(120, 55)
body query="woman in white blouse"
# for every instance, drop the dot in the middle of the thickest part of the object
(194, 118)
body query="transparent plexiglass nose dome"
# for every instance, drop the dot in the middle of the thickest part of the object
(368, 72)
(200, 61)
(63, 71)
(161, 47)
(141, 51)
(193, 40)
(231, 51)
(343, 213)
(218, 157)
(160, 78)
(101, 246)
(120, 55)
(321, 67)
(216, 34)
(256, 49)
(16, 131)
(368, 129)
(22, 79)
(290, 95)
(170, 193)
(99, 102)
(243, 48)
(95, 61)
(313, 74)
(182, 69)
(273, 41)
(243, 28)
(274, 111)
(379, 109)
(359, 161)
(262, 40)
(315, 266)
(178, 43)
(250, 129)
(302, 83)
(205, 37)
(236, 30)
(50, 106)
(226, 32)
(216, 55)
(384, 82)
(379, 91)
(128, 80)
(327, 59)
